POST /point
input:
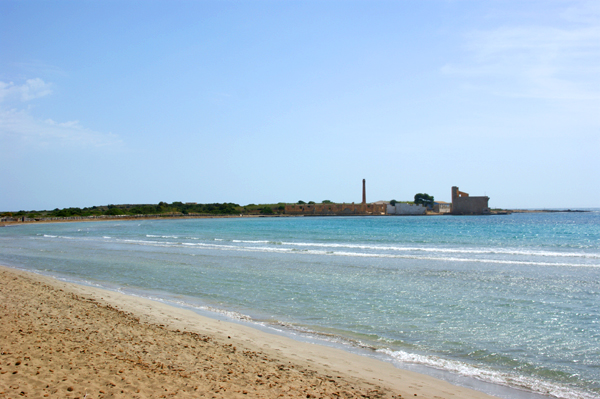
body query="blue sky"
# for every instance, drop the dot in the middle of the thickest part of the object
(111, 102)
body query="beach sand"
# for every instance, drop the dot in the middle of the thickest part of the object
(65, 340)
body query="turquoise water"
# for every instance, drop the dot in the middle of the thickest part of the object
(512, 300)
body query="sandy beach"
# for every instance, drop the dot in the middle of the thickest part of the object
(66, 340)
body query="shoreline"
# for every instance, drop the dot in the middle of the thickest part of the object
(174, 217)
(332, 370)
(72, 219)
(75, 219)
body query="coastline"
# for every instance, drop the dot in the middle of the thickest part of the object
(72, 219)
(128, 218)
(114, 344)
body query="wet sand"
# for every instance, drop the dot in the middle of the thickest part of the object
(65, 340)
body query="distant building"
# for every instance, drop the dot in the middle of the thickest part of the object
(338, 209)
(406, 209)
(442, 207)
(334, 209)
(381, 202)
(463, 204)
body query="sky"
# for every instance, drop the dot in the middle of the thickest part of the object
(117, 102)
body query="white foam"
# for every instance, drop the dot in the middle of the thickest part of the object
(229, 314)
(352, 254)
(487, 375)
(155, 236)
(64, 237)
(483, 260)
(446, 250)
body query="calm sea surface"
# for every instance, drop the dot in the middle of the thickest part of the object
(512, 300)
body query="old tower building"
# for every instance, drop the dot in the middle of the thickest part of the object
(462, 204)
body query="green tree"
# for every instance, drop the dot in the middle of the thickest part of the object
(311, 202)
(301, 202)
(326, 202)
(266, 210)
(424, 199)
(393, 202)
(114, 211)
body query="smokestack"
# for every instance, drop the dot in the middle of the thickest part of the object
(364, 192)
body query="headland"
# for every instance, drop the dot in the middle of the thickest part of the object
(423, 205)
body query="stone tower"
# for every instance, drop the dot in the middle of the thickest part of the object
(454, 193)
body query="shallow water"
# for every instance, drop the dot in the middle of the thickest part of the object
(513, 300)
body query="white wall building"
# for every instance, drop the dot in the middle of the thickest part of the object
(406, 209)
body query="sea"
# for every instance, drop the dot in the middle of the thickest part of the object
(506, 304)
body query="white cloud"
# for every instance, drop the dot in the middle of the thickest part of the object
(31, 89)
(535, 61)
(19, 126)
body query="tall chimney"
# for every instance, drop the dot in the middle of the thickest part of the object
(364, 192)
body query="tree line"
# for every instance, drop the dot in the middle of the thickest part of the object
(226, 208)
(163, 208)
